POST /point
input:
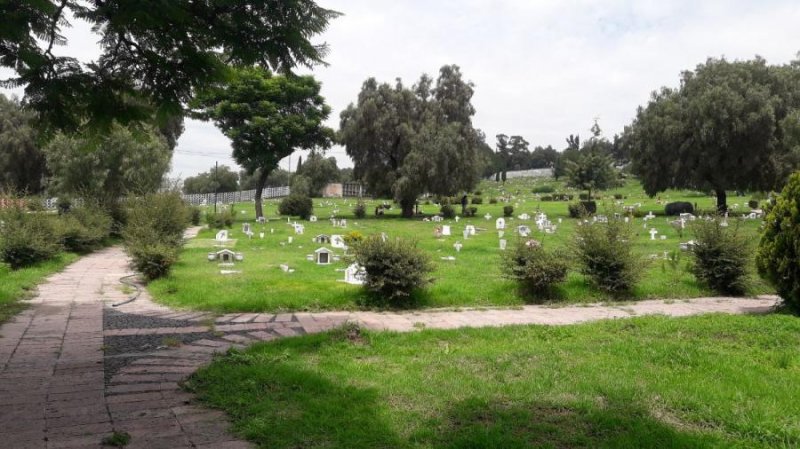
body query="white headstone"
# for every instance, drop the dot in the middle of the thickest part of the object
(653, 233)
(500, 234)
(222, 236)
(523, 231)
(470, 229)
(261, 235)
(312, 219)
(355, 274)
(289, 239)
(337, 241)
(503, 244)
(458, 246)
(500, 223)
(445, 229)
(488, 216)
(466, 234)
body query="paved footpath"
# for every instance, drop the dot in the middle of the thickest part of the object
(74, 369)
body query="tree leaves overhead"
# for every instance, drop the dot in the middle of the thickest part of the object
(728, 126)
(153, 52)
(22, 163)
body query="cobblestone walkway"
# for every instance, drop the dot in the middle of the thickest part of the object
(74, 368)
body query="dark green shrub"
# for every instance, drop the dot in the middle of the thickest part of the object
(84, 229)
(297, 206)
(220, 220)
(448, 211)
(535, 268)
(492, 200)
(395, 268)
(508, 211)
(27, 238)
(153, 259)
(470, 211)
(679, 207)
(618, 196)
(360, 210)
(477, 200)
(720, 257)
(477, 193)
(153, 235)
(547, 198)
(195, 214)
(777, 256)
(753, 204)
(63, 205)
(583, 196)
(544, 189)
(582, 209)
(605, 254)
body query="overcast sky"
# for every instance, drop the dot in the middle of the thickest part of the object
(542, 69)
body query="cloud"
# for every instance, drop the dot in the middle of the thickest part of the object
(543, 69)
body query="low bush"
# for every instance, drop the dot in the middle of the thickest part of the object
(679, 207)
(508, 211)
(535, 268)
(477, 200)
(360, 210)
(352, 238)
(582, 209)
(195, 214)
(220, 220)
(27, 238)
(394, 268)
(477, 193)
(63, 205)
(753, 204)
(153, 259)
(470, 211)
(544, 189)
(492, 200)
(447, 211)
(720, 257)
(619, 196)
(84, 229)
(296, 205)
(547, 198)
(583, 196)
(605, 255)
(153, 235)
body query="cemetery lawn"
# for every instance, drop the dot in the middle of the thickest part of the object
(713, 381)
(473, 279)
(16, 285)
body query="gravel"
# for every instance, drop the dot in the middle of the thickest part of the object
(114, 319)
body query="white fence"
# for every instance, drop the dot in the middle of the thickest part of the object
(199, 199)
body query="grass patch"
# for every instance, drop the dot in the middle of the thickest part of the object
(714, 381)
(474, 279)
(16, 285)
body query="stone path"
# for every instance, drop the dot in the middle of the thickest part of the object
(74, 369)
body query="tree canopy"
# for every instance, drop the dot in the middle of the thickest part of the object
(320, 171)
(267, 117)
(408, 141)
(155, 55)
(590, 168)
(216, 179)
(728, 126)
(22, 163)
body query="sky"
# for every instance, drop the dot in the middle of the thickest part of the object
(541, 69)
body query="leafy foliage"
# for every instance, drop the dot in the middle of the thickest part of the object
(296, 205)
(508, 211)
(360, 210)
(395, 268)
(591, 169)
(153, 234)
(447, 211)
(720, 257)
(320, 172)
(22, 163)
(535, 268)
(678, 207)
(605, 254)
(27, 238)
(217, 179)
(220, 220)
(84, 228)
(582, 209)
(779, 249)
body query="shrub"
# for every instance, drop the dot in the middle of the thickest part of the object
(296, 205)
(194, 215)
(605, 254)
(618, 196)
(753, 204)
(582, 209)
(154, 232)
(63, 205)
(508, 211)
(493, 200)
(394, 269)
(544, 189)
(583, 196)
(352, 238)
(153, 259)
(360, 210)
(448, 211)
(720, 257)
(470, 211)
(535, 268)
(679, 207)
(477, 193)
(220, 220)
(547, 198)
(84, 228)
(477, 200)
(777, 253)
(27, 238)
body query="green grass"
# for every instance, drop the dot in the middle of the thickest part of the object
(473, 279)
(16, 285)
(713, 381)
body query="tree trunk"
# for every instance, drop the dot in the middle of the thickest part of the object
(260, 182)
(407, 207)
(722, 201)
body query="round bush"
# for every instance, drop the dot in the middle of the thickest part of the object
(679, 207)
(777, 253)
(535, 268)
(492, 200)
(721, 257)
(606, 256)
(194, 215)
(84, 228)
(477, 200)
(753, 204)
(544, 189)
(395, 268)
(296, 205)
(360, 210)
(27, 238)
(508, 211)
(448, 211)
(582, 209)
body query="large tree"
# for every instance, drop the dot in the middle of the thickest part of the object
(590, 168)
(217, 179)
(320, 171)
(724, 128)
(267, 117)
(22, 163)
(107, 168)
(154, 53)
(408, 141)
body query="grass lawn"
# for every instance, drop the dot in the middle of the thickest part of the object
(473, 279)
(16, 285)
(712, 381)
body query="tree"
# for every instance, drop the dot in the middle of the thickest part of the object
(408, 141)
(502, 151)
(570, 153)
(158, 54)
(725, 127)
(110, 167)
(22, 163)
(320, 171)
(267, 117)
(591, 169)
(216, 179)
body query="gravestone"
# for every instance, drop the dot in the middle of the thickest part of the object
(312, 219)
(653, 233)
(446, 230)
(337, 241)
(246, 228)
(355, 274)
(503, 244)
(323, 256)
(500, 223)
(470, 229)
(523, 231)
(458, 246)
(222, 236)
